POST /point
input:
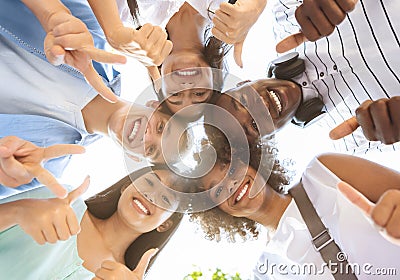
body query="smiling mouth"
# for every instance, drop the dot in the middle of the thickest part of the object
(187, 72)
(141, 207)
(134, 131)
(240, 193)
(273, 99)
(277, 102)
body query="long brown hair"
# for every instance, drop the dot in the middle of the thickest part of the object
(104, 204)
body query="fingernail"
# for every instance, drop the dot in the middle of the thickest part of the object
(63, 194)
(59, 60)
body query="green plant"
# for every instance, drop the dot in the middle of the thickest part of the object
(218, 274)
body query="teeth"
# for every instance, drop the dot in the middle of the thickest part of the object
(135, 129)
(241, 194)
(141, 206)
(276, 100)
(187, 73)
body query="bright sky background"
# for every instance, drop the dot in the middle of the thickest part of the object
(187, 249)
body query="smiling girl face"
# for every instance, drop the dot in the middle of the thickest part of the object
(231, 190)
(147, 208)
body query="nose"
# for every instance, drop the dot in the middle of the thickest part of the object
(148, 135)
(233, 186)
(149, 197)
(187, 85)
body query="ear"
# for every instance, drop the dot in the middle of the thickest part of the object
(165, 226)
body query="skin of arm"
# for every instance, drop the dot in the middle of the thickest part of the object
(45, 9)
(369, 178)
(107, 15)
(9, 212)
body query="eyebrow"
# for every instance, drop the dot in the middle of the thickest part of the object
(158, 177)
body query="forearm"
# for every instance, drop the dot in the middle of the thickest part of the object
(369, 178)
(9, 212)
(106, 12)
(44, 9)
(260, 5)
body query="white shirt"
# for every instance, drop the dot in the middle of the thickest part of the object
(160, 12)
(360, 60)
(291, 247)
(125, 13)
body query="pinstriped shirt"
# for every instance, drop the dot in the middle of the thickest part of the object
(360, 60)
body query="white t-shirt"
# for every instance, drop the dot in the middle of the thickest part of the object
(289, 252)
(124, 13)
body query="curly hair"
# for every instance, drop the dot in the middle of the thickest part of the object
(217, 224)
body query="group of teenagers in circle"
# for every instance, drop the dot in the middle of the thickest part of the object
(62, 93)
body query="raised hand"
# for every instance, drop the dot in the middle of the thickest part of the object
(50, 220)
(232, 23)
(379, 120)
(385, 213)
(69, 41)
(317, 19)
(113, 270)
(149, 44)
(21, 162)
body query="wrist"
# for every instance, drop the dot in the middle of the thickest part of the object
(47, 21)
(113, 34)
(45, 9)
(11, 213)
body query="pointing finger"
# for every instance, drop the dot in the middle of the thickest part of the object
(356, 197)
(62, 150)
(237, 53)
(345, 128)
(104, 56)
(94, 79)
(47, 179)
(290, 42)
(72, 196)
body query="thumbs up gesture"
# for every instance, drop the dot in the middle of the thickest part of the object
(113, 270)
(317, 19)
(385, 213)
(379, 120)
(50, 220)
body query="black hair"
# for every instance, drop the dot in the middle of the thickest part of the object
(104, 204)
(214, 52)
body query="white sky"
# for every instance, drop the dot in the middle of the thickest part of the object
(187, 249)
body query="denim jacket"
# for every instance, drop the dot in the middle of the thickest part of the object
(19, 25)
